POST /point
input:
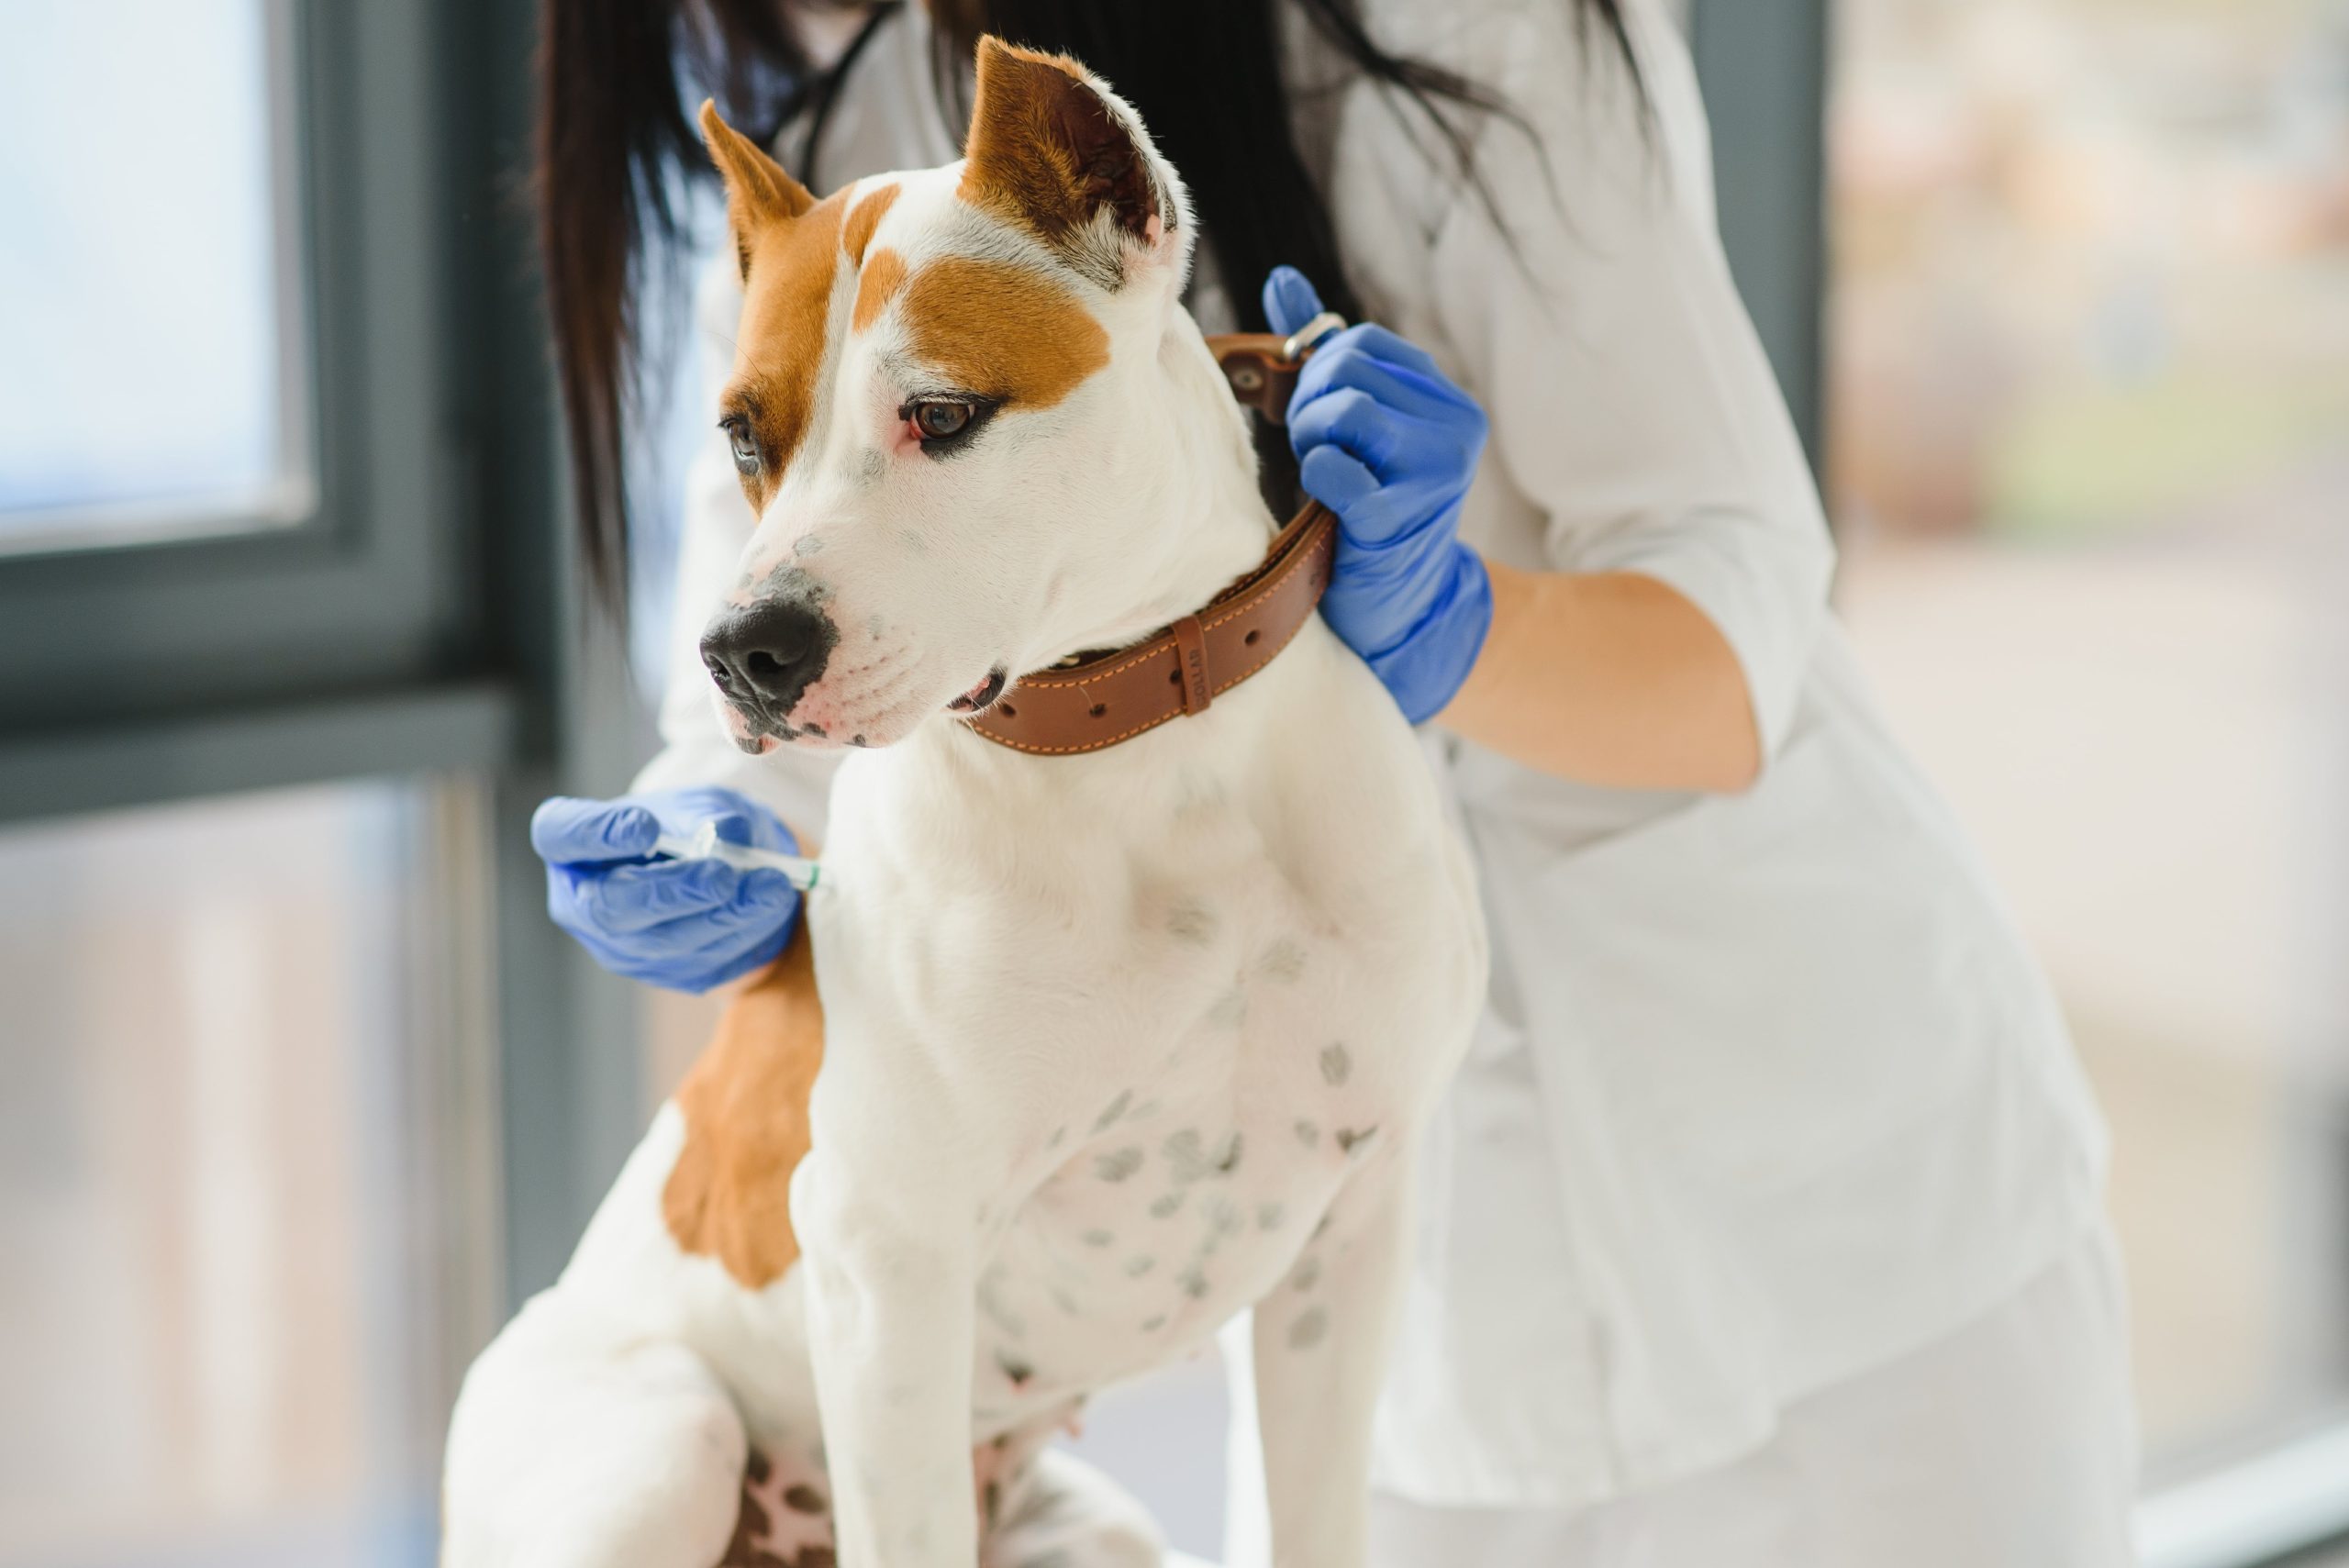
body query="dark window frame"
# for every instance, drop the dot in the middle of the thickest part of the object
(372, 589)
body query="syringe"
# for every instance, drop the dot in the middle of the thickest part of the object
(705, 845)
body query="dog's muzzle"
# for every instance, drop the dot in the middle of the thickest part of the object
(765, 656)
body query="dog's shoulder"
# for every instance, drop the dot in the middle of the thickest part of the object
(746, 1129)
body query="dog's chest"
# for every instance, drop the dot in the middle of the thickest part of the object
(1175, 1202)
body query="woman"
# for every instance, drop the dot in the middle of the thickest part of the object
(1763, 1222)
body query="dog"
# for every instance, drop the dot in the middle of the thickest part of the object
(1078, 1056)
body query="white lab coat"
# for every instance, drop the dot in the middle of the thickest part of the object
(1769, 1093)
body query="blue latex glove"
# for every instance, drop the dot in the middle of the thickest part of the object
(687, 925)
(1387, 443)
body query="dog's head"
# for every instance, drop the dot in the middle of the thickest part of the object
(942, 383)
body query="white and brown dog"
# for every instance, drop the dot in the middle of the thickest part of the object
(1112, 1046)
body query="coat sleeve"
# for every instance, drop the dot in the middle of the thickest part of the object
(716, 526)
(1590, 308)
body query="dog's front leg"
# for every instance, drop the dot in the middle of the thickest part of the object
(890, 1292)
(1321, 1349)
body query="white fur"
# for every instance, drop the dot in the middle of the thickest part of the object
(1061, 994)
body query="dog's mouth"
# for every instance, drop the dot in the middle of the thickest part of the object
(981, 697)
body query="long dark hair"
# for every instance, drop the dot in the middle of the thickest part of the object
(616, 77)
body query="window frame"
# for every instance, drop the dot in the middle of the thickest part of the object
(430, 618)
(369, 586)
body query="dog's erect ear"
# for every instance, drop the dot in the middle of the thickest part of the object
(759, 193)
(1053, 150)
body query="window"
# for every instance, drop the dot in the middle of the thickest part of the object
(150, 295)
(234, 326)
(2088, 419)
(278, 536)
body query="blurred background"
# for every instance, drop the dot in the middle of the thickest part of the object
(297, 1089)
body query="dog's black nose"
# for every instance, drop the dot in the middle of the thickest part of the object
(766, 654)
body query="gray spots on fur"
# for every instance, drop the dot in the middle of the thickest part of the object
(1231, 1009)
(1118, 1164)
(1191, 922)
(1224, 1217)
(1138, 1266)
(1268, 1216)
(1059, 1136)
(1309, 1329)
(1307, 1275)
(1309, 1134)
(1064, 1301)
(1283, 963)
(1195, 1283)
(787, 582)
(1350, 1139)
(1189, 1160)
(808, 544)
(874, 627)
(1016, 1368)
(1336, 1064)
(1115, 1109)
(1153, 1323)
(872, 465)
(1098, 1238)
(1164, 1207)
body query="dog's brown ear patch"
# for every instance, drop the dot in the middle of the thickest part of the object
(759, 193)
(1047, 152)
(745, 1104)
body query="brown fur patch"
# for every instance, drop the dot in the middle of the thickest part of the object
(1004, 330)
(1045, 153)
(759, 193)
(883, 276)
(864, 217)
(780, 339)
(745, 1104)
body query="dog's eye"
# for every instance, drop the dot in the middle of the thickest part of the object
(941, 421)
(746, 450)
(945, 425)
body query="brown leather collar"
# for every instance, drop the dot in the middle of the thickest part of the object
(1098, 699)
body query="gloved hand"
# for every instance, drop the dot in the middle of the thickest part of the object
(687, 925)
(1387, 443)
